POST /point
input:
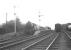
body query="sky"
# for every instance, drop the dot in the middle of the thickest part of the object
(52, 11)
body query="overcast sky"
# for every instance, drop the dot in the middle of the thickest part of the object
(53, 11)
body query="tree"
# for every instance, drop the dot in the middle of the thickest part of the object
(9, 27)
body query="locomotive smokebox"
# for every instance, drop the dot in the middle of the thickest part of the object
(68, 27)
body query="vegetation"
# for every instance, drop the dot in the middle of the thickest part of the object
(27, 28)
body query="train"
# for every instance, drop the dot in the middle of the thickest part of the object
(58, 27)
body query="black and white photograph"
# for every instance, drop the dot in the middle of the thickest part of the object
(35, 24)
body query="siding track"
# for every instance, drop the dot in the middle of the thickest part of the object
(63, 42)
(42, 45)
(22, 44)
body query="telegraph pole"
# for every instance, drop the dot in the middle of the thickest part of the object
(6, 21)
(15, 19)
(39, 17)
(6, 18)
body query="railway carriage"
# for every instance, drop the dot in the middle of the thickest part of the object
(58, 27)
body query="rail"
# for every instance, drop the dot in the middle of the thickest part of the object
(35, 42)
(19, 42)
(67, 34)
(52, 42)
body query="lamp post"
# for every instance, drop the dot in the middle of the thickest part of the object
(15, 19)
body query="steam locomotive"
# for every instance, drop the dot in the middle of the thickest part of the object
(68, 27)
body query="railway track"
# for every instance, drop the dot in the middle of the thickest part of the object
(42, 45)
(23, 38)
(14, 39)
(5, 37)
(19, 38)
(21, 42)
(60, 42)
(68, 34)
(63, 42)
